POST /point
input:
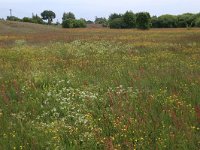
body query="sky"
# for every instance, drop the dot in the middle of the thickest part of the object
(88, 9)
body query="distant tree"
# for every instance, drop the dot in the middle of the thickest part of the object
(117, 23)
(83, 20)
(196, 19)
(37, 19)
(79, 23)
(143, 20)
(13, 18)
(167, 21)
(89, 22)
(186, 20)
(73, 23)
(34, 19)
(197, 22)
(48, 15)
(114, 16)
(68, 23)
(102, 21)
(154, 22)
(68, 15)
(27, 19)
(129, 19)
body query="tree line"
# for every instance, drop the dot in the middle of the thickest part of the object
(143, 20)
(128, 20)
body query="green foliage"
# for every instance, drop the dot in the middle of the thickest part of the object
(172, 21)
(154, 22)
(27, 19)
(117, 23)
(143, 20)
(48, 15)
(37, 19)
(101, 20)
(186, 20)
(197, 22)
(99, 89)
(72, 23)
(34, 19)
(89, 22)
(167, 21)
(68, 15)
(114, 16)
(13, 18)
(129, 19)
(196, 17)
(79, 23)
(67, 23)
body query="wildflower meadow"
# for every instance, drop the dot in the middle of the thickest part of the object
(108, 89)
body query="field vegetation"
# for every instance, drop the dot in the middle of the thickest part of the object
(99, 88)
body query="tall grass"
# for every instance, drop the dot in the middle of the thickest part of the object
(128, 90)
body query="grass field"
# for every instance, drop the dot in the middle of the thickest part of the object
(99, 88)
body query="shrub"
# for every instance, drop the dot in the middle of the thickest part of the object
(68, 15)
(89, 22)
(154, 22)
(102, 21)
(34, 19)
(68, 23)
(117, 23)
(143, 20)
(114, 16)
(37, 19)
(167, 21)
(26, 19)
(129, 19)
(186, 20)
(197, 22)
(13, 18)
(72, 23)
(79, 24)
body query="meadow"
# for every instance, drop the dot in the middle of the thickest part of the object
(108, 89)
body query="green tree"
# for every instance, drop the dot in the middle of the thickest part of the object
(13, 18)
(102, 21)
(196, 19)
(27, 19)
(48, 15)
(68, 15)
(117, 23)
(34, 19)
(89, 22)
(114, 16)
(143, 20)
(72, 23)
(129, 19)
(197, 22)
(68, 23)
(37, 19)
(186, 20)
(154, 22)
(79, 23)
(167, 21)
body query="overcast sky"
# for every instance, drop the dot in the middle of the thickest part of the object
(102, 8)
